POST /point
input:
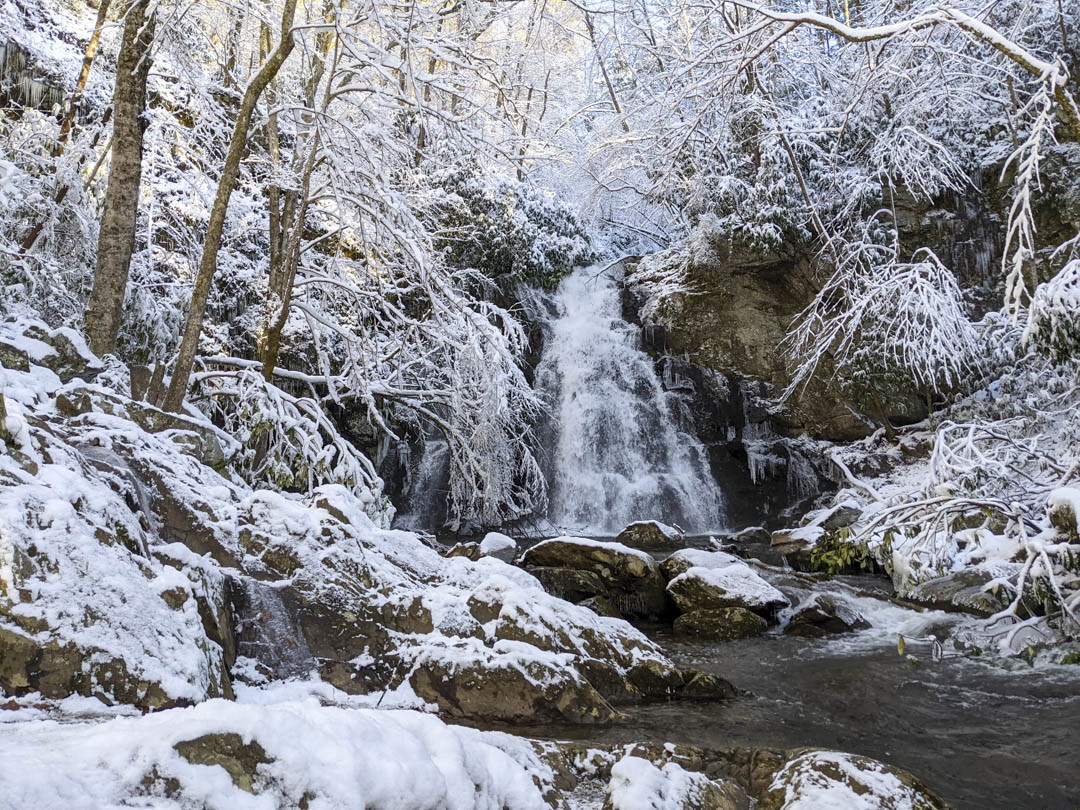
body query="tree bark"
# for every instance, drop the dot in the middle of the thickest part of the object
(116, 239)
(185, 357)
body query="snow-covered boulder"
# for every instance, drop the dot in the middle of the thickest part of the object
(753, 534)
(817, 779)
(226, 755)
(631, 578)
(26, 341)
(498, 546)
(86, 607)
(651, 534)
(734, 585)
(1063, 511)
(638, 784)
(682, 561)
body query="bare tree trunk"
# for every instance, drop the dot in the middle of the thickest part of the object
(270, 347)
(4, 436)
(292, 219)
(185, 357)
(604, 71)
(84, 76)
(116, 239)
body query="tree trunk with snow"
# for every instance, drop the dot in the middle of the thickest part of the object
(185, 358)
(116, 239)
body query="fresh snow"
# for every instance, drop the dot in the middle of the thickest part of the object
(344, 758)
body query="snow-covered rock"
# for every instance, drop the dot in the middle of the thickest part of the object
(818, 779)
(638, 784)
(1063, 510)
(682, 561)
(734, 585)
(499, 546)
(229, 756)
(124, 557)
(651, 534)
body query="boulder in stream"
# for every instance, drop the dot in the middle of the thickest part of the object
(499, 546)
(631, 578)
(734, 585)
(651, 534)
(966, 591)
(682, 561)
(820, 615)
(723, 624)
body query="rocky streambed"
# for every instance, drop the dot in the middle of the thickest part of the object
(876, 677)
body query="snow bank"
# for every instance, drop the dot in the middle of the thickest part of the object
(337, 758)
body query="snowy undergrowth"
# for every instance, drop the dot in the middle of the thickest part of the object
(992, 486)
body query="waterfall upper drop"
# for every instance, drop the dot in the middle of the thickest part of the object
(618, 453)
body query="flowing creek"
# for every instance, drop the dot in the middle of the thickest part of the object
(979, 733)
(981, 736)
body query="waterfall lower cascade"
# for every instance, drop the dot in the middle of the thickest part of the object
(618, 452)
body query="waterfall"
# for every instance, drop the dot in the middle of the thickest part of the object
(618, 453)
(426, 484)
(268, 633)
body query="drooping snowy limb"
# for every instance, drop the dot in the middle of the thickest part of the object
(1053, 73)
(1008, 470)
(880, 316)
(299, 445)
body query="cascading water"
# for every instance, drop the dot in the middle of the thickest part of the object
(618, 453)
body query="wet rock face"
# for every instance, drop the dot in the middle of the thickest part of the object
(735, 323)
(821, 615)
(724, 624)
(630, 579)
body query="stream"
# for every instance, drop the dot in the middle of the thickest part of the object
(620, 447)
(979, 735)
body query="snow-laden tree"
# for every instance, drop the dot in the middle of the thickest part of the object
(284, 144)
(886, 327)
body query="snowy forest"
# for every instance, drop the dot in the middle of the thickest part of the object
(578, 404)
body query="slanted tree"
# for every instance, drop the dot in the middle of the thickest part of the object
(238, 143)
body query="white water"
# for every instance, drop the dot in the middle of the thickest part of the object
(619, 454)
(425, 488)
